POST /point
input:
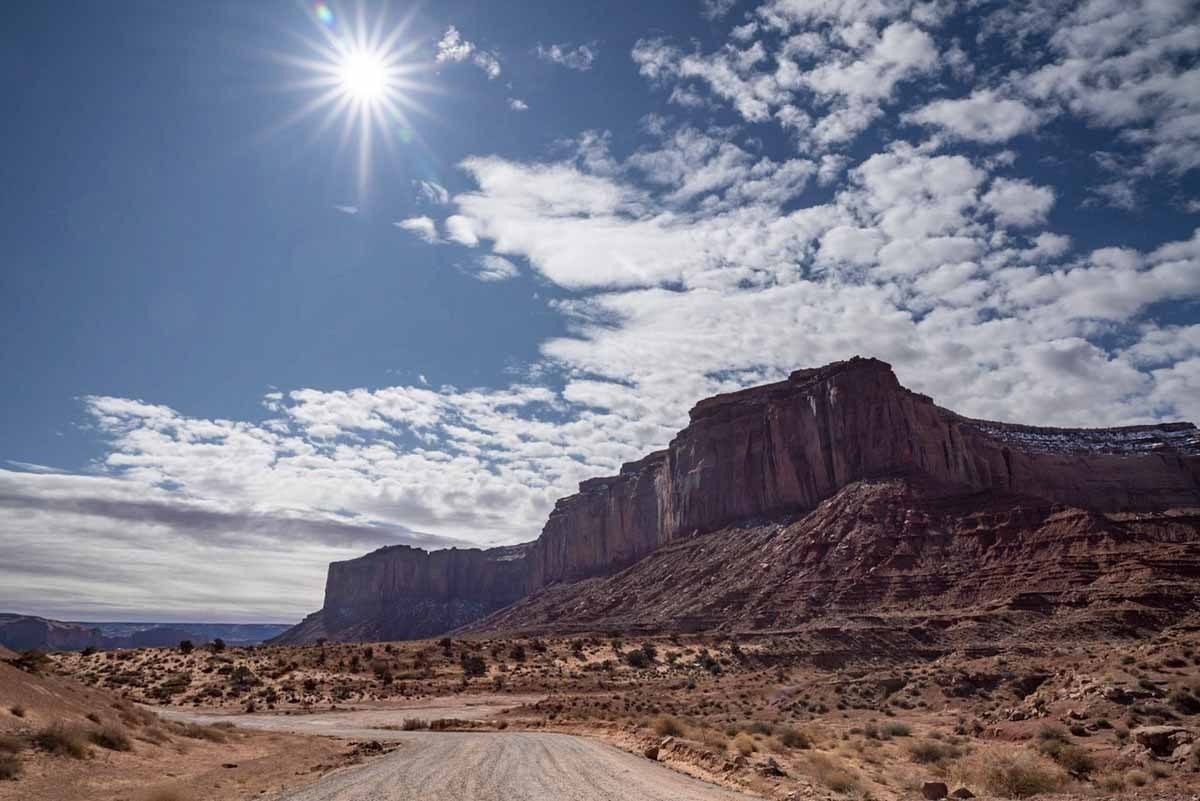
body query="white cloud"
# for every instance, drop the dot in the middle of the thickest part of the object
(576, 58)
(517, 104)
(453, 48)
(984, 116)
(491, 267)
(432, 192)
(1018, 202)
(423, 227)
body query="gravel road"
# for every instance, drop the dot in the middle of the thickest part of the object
(509, 766)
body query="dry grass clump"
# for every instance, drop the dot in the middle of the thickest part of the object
(414, 724)
(668, 726)
(195, 731)
(1074, 759)
(713, 739)
(743, 743)
(791, 737)
(830, 771)
(1012, 774)
(1137, 778)
(10, 744)
(112, 737)
(931, 752)
(62, 740)
(894, 728)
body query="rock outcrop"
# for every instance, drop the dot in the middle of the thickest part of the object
(765, 452)
(30, 633)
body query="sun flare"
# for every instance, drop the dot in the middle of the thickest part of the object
(364, 75)
(361, 77)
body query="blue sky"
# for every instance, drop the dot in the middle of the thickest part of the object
(230, 343)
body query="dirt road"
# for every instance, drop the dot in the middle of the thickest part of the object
(474, 765)
(509, 766)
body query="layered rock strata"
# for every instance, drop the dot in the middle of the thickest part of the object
(765, 452)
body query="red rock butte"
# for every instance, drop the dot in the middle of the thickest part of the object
(777, 452)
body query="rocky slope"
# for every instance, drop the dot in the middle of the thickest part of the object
(27, 632)
(765, 453)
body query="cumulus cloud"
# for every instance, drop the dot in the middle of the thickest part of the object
(1018, 202)
(517, 104)
(984, 116)
(423, 227)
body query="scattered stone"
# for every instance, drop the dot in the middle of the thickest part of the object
(770, 767)
(651, 752)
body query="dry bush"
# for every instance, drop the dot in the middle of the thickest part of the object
(713, 739)
(1074, 759)
(154, 734)
(1137, 778)
(446, 724)
(10, 744)
(791, 737)
(669, 726)
(930, 752)
(195, 731)
(895, 728)
(830, 771)
(1013, 774)
(744, 744)
(414, 724)
(10, 767)
(112, 737)
(62, 740)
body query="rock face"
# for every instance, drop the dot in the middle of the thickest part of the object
(29, 633)
(766, 452)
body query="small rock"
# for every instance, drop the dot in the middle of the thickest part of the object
(651, 752)
(229, 765)
(934, 790)
(771, 768)
(962, 792)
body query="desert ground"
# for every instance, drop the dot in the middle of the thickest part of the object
(767, 715)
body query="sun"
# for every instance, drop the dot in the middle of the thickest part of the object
(360, 75)
(364, 75)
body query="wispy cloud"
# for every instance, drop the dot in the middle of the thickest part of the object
(580, 57)
(454, 48)
(423, 227)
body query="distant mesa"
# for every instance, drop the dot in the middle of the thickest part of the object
(29, 632)
(835, 489)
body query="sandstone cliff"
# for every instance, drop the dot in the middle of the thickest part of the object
(769, 451)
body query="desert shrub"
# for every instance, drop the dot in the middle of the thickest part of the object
(31, 662)
(1051, 733)
(637, 659)
(713, 739)
(929, 752)
(17, 710)
(445, 724)
(1074, 759)
(10, 767)
(744, 744)
(1020, 774)
(473, 666)
(517, 653)
(154, 734)
(89, 651)
(1184, 702)
(1137, 778)
(195, 731)
(414, 724)
(829, 770)
(894, 728)
(650, 651)
(217, 645)
(668, 726)
(112, 737)
(10, 744)
(62, 740)
(791, 737)
(186, 646)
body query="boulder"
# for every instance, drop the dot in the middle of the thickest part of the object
(934, 790)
